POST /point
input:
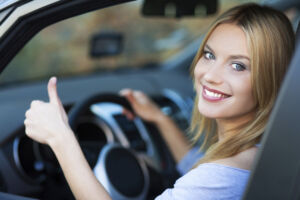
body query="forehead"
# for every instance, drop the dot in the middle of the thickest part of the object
(228, 39)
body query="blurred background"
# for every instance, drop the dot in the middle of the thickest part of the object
(63, 49)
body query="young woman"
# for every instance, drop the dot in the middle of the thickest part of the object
(237, 74)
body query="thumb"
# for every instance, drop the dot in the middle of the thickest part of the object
(52, 91)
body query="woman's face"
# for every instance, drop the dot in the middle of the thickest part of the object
(223, 75)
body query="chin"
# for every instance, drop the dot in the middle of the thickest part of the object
(216, 110)
(210, 113)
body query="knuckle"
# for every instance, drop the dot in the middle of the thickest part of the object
(139, 94)
(34, 103)
(27, 121)
(125, 91)
(27, 114)
(27, 132)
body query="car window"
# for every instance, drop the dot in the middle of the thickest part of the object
(63, 48)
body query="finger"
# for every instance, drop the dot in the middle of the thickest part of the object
(128, 114)
(27, 114)
(54, 98)
(125, 91)
(128, 94)
(36, 103)
(140, 97)
(27, 124)
(26, 121)
(27, 131)
(52, 91)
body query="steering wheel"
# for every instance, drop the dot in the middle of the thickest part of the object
(79, 108)
(123, 173)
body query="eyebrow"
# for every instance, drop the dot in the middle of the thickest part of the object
(232, 56)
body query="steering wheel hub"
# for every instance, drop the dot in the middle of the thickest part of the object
(116, 167)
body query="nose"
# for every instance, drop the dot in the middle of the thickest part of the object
(214, 73)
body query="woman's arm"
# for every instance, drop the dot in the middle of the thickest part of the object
(174, 137)
(47, 123)
(149, 111)
(77, 171)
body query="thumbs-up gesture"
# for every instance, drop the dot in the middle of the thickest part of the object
(47, 122)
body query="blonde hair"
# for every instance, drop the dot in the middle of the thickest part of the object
(270, 40)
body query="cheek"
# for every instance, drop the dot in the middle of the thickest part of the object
(244, 92)
(199, 71)
(196, 70)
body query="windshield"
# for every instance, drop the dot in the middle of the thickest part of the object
(63, 48)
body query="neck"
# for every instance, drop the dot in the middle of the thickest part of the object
(225, 125)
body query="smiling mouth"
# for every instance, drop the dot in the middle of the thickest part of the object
(213, 95)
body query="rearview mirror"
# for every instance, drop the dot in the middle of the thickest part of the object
(179, 8)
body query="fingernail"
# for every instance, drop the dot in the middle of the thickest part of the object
(124, 91)
(53, 79)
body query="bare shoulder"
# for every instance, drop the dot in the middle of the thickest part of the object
(243, 160)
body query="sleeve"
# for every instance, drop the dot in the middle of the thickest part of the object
(208, 182)
(189, 160)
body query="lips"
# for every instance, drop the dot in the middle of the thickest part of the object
(213, 95)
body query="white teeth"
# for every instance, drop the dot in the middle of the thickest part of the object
(212, 94)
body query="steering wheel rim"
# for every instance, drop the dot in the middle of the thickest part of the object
(162, 178)
(83, 105)
(102, 172)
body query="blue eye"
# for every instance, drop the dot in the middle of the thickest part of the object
(208, 55)
(238, 67)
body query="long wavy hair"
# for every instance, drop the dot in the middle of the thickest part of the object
(270, 40)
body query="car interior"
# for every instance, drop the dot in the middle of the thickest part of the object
(146, 45)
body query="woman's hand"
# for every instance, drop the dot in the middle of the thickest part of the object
(142, 105)
(145, 108)
(46, 122)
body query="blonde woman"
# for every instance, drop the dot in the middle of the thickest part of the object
(237, 74)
